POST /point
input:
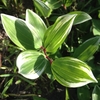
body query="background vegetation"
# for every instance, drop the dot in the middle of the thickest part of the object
(13, 86)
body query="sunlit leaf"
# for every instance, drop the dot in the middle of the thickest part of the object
(43, 8)
(36, 22)
(31, 64)
(53, 4)
(56, 34)
(96, 93)
(71, 72)
(87, 49)
(81, 17)
(21, 33)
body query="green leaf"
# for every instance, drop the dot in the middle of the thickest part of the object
(53, 4)
(96, 93)
(31, 64)
(5, 2)
(68, 2)
(56, 34)
(96, 27)
(36, 22)
(81, 17)
(71, 72)
(87, 49)
(21, 33)
(42, 7)
(96, 31)
(7, 85)
(83, 93)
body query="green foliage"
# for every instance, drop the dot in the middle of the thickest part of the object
(96, 93)
(19, 32)
(42, 7)
(28, 62)
(68, 71)
(37, 23)
(31, 64)
(56, 34)
(86, 50)
(41, 43)
(4, 2)
(96, 28)
(53, 4)
(7, 86)
(84, 93)
(12, 5)
(67, 2)
(72, 72)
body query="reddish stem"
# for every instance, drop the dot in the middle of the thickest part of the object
(44, 50)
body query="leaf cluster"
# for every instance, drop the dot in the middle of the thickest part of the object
(63, 51)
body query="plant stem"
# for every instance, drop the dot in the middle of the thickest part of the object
(23, 95)
(26, 80)
(49, 59)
